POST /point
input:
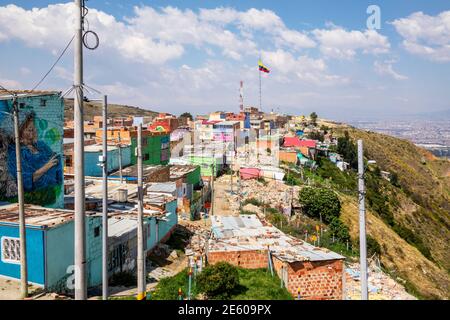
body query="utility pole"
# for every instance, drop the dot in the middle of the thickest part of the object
(120, 158)
(231, 181)
(21, 199)
(362, 222)
(105, 201)
(212, 180)
(140, 246)
(80, 232)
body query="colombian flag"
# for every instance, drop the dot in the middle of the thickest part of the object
(262, 67)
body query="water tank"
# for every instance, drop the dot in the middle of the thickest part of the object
(122, 195)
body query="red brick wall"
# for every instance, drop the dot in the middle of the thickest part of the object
(254, 259)
(321, 280)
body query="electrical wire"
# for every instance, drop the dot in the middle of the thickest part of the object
(53, 66)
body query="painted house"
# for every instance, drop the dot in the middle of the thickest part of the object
(41, 121)
(155, 148)
(209, 165)
(93, 152)
(50, 249)
(226, 131)
(160, 220)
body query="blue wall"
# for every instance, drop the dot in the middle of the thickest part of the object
(35, 254)
(60, 253)
(92, 169)
(163, 226)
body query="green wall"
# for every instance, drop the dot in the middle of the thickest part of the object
(153, 150)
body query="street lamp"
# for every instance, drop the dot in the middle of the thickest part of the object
(362, 220)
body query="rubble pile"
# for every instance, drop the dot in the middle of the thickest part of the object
(196, 249)
(274, 193)
(380, 285)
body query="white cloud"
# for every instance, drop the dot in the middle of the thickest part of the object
(10, 84)
(303, 68)
(386, 68)
(342, 44)
(427, 36)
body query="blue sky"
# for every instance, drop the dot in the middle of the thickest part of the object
(190, 55)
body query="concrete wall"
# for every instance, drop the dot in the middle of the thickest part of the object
(35, 254)
(44, 116)
(92, 169)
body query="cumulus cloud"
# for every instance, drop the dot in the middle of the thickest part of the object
(303, 67)
(342, 44)
(386, 68)
(427, 36)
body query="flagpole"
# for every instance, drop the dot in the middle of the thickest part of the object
(260, 91)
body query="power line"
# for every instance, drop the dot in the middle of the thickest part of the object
(53, 66)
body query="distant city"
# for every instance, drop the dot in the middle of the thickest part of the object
(433, 135)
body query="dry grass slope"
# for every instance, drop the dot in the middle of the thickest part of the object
(397, 255)
(92, 109)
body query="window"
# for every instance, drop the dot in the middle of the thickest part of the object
(43, 102)
(21, 105)
(11, 250)
(96, 232)
(146, 157)
(68, 161)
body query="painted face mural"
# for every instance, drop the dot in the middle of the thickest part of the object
(41, 167)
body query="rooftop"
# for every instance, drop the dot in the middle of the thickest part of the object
(36, 216)
(178, 171)
(25, 93)
(247, 232)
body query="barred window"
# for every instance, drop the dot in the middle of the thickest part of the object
(11, 250)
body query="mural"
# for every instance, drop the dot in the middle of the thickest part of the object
(41, 131)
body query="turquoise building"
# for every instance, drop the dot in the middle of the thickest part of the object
(92, 154)
(50, 247)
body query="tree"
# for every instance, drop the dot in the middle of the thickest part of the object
(318, 202)
(340, 230)
(348, 150)
(313, 117)
(187, 115)
(218, 281)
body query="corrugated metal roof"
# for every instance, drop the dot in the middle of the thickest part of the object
(37, 216)
(162, 187)
(117, 227)
(247, 232)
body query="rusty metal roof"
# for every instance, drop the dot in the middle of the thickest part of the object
(37, 216)
(247, 232)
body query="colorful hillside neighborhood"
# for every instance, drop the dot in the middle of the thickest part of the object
(227, 179)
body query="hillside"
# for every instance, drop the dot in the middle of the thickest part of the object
(92, 109)
(410, 220)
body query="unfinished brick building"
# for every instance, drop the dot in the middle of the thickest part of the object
(247, 242)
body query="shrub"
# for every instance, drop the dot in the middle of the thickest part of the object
(218, 281)
(340, 230)
(252, 201)
(317, 202)
(373, 247)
